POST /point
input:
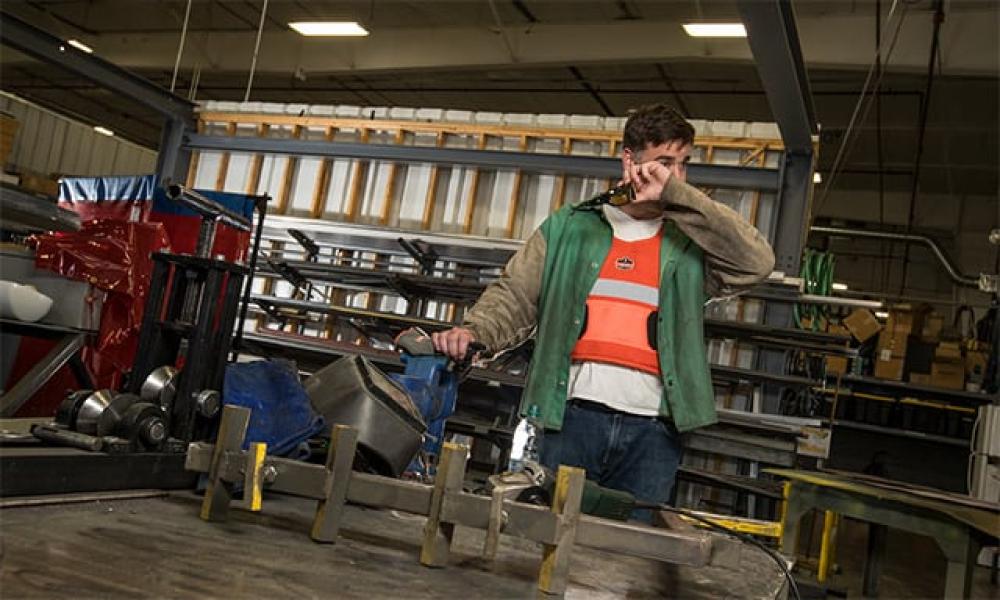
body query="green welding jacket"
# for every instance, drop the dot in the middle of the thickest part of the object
(706, 249)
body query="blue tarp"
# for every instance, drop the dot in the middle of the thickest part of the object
(96, 189)
(143, 187)
(281, 414)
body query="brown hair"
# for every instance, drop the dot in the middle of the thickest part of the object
(656, 124)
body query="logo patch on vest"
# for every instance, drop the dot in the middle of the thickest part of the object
(624, 264)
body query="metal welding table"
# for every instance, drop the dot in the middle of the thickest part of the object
(959, 524)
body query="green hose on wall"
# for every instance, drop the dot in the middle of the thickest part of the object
(817, 277)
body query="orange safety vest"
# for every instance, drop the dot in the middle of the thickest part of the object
(620, 324)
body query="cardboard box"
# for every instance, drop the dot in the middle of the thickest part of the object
(949, 375)
(836, 365)
(904, 320)
(40, 184)
(908, 317)
(933, 324)
(862, 324)
(837, 329)
(889, 369)
(948, 351)
(920, 378)
(892, 344)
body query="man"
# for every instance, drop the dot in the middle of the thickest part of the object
(616, 296)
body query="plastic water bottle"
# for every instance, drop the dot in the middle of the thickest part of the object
(527, 441)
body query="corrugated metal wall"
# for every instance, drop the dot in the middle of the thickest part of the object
(49, 143)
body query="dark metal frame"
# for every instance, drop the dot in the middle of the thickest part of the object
(208, 339)
(260, 205)
(27, 212)
(34, 471)
(64, 352)
(173, 158)
(726, 176)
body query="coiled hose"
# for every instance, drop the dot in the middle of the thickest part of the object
(817, 277)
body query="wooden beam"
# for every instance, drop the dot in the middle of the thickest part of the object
(468, 129)
(257, 163)
(709, 153)
(431, 198)
(357, 181)
(288, 176)
(612, 151)
(470, 206)
(220, 176)
(322, 180)
(515, 193)
(390, 186)
(755, 203)
(560, 192)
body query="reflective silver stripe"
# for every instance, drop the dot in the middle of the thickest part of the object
(626, 290)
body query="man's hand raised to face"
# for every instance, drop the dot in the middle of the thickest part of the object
(648, 179)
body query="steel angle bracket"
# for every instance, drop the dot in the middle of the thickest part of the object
(228, 465)
(503, 491)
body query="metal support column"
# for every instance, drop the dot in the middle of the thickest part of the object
(774, 41)
(174, 158)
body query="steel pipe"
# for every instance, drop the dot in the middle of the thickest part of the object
(909, 238)
(208, 209)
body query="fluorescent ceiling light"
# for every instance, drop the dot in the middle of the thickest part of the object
(881, 314)
(718, 30)
(103, 130)
(817, 178)
(329, 28)
(80, 46)
(842, 287)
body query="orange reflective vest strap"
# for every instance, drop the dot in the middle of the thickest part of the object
(620, 326)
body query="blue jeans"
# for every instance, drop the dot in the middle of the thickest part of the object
(632, 453)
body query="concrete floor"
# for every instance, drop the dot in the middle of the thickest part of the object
(158, 547)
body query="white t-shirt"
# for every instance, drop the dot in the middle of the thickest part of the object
(620, 388)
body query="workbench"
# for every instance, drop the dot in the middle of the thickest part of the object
(158, 547)
(960, 525)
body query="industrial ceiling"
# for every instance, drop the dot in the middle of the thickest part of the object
(581, 57)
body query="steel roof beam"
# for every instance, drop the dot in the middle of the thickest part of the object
(774, 41)
(45, 47)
